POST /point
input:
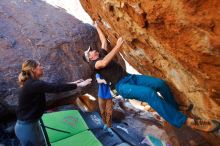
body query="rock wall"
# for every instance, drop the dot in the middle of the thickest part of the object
(37, 30)
(176, 40)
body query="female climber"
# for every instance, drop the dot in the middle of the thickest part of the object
(32, 102)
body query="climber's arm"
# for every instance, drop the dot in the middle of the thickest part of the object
(105, 61)
(102, 37)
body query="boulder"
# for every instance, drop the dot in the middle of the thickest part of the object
(177, 41)
(32, 29)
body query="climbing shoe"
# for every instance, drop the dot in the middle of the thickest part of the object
(204, 125)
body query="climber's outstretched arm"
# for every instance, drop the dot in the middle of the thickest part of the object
(101, 37)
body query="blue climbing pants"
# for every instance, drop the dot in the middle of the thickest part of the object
(29, 133)
(145, 88)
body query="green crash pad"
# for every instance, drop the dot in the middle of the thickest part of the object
(65, 123)
(85, 138)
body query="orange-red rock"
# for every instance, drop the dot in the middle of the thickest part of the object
(175, 40)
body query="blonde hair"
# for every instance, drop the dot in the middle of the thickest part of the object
(27, 71)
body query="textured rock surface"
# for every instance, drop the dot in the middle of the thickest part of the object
(174, 40)
(35, 29)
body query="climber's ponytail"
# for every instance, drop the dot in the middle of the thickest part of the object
(27, 71)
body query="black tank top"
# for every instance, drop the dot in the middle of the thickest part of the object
(113, 72)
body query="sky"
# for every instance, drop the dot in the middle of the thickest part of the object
(72, 7)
